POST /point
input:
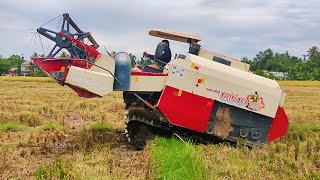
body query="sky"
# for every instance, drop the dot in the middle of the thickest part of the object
(236, 28)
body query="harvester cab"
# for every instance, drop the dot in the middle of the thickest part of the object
(195, 48)
(202, 94)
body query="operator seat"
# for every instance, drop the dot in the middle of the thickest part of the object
(157, 66)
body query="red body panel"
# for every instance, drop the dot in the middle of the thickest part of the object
(49, 65)
(136, 73)
(185, 109)
(83, 93)
(279, 125)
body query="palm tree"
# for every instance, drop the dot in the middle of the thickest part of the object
(313, 52)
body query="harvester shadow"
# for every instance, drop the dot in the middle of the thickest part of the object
(199, 138)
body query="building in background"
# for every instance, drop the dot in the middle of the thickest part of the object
(25, 70)
(13, 72)
(280, 75)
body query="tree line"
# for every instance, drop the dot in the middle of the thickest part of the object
(15, 61)
(296, 68)
(7, 63)
(305, 68)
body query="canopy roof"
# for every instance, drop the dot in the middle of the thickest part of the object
(176, 36)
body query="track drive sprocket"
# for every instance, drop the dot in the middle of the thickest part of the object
(138, 133)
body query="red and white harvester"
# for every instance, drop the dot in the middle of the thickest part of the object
(201, 94)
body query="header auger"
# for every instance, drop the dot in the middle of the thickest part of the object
(200, 94)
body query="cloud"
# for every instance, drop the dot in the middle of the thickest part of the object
(235, 28)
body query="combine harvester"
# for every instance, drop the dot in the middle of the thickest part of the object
(200, 94)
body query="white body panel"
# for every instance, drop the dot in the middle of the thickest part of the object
(181, 75)
(226, 84)
(106, 62)
(147, 83)
(234, 62)
(96, 82)
(176, 36)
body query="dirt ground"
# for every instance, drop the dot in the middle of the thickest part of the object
(21, 154)
(56, 127)
(46, 131)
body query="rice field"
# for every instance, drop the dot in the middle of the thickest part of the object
(48, 132)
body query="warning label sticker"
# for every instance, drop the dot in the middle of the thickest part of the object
(177, 71)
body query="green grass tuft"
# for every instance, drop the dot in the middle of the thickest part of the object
(303, 127)
(175, 159)
(11, 126)
(100, 126)
(52, 126)
(53, 171)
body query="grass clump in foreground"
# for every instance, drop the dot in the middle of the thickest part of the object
(102, 134)
(296, 156)
(52, 126)
(100, 126)
(54, 171)
(174, 159)
(11, 126)
(304, 127)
